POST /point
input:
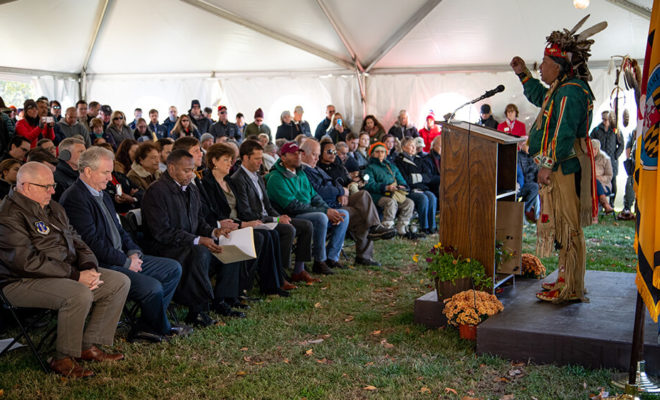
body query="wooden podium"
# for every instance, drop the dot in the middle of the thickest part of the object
(477, 196)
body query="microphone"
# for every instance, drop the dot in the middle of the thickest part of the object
(489, 93)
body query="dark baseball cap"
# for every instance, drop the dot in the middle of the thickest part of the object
(289, 147)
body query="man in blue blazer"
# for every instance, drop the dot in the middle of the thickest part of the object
(92, 213)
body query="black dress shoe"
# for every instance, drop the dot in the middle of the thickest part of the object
(248, 298)
(135, 336)
(334, 264)
(379, 232)
(200, 319)
(234, 303)
(366, 261)
(180, 330)
(320, 267)
(225, 310)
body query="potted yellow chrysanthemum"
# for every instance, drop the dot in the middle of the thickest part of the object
(467, 309)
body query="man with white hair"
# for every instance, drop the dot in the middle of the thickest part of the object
(45, 264)
(92, 213)
(66, 171)
(402, 128)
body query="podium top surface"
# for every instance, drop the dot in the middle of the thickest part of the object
(488, 133)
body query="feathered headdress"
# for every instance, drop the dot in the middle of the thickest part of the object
(573, 49)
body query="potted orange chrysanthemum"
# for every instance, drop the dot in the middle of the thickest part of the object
(467, 309)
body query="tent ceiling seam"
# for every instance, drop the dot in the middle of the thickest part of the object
(213, 9)
(39, 72)
(100, 21)
(632, 7)
(400, 33)
(340, 34)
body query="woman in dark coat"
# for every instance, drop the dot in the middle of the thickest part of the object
(332, 166)
(220, 204)
(287, 130)
(411, 168)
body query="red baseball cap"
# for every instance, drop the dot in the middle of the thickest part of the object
(289, 147)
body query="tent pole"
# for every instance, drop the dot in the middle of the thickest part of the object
(341, 35)
(633, 8)
(637, 350)
(403, 31)
(100, 21)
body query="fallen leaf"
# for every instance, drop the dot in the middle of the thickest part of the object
(369, 387)
(450, 390)
(313, 341)
(241, 373)
(369, 364)
(515, 372)
(470, 398)
(324, 361)
(317, 305)
(247, 359)
(424, 389)
(385, 344)
(244, 349)
(309, 352)
(324, 288)
(349, 318)
(286, 360)
(507, 397)
(375, 333)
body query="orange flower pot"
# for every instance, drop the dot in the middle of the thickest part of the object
(468, 332)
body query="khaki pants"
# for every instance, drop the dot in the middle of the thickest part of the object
(392, 210)
(362, 215)
(73, 300)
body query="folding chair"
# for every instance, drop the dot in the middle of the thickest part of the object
(24, 329)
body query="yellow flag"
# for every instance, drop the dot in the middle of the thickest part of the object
(647, 235)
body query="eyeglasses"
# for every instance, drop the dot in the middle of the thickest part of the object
(116, 118)
(331, 151)
(47, 187)
(57, 107)
(223, 112)
(259, 120)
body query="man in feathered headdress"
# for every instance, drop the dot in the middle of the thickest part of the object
(559, 144)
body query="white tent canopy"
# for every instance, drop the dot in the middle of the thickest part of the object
(275, 54)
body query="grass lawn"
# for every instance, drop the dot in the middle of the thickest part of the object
(352, 336)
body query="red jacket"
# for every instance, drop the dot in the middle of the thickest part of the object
(428, 136)
(518, 129)
(34, 133)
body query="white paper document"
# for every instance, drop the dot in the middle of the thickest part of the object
(239, 246)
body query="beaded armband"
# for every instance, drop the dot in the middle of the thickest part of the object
(525, 75)
(544, 161)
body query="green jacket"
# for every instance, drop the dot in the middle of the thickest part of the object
(380, 177)
(566, 117)
(292, 194)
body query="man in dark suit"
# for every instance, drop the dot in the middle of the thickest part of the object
(252, 203)
(92, 214)
(175, 227)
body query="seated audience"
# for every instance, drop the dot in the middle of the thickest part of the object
(141, 133)
(429, 131)
(48, 145)
(66, 171)
(402, 127)
(344, 158)
(511, 125)
(393, 146)
(270, 156)
(164, 149)
(92, 214)
(338, 129)
(373, 128)
(175, 227)
(130, 195)
(18, 148)
(155, 127)
(35, 124)
(224, 128)
(360, 153)
(43, 156)
(198, 119)
(117, 129)
(389, 191)
(287, 130)
(292, 194)
(8, 170)
(144, 170)
(324, 126)
(184, 127)
(70, 127)
(364, 223)
(258, 126)
(431, 164)
(263, 139)
(45, 264)
(302, 126)
(486, 117)
(240, 124)
(206, 141)
(412, 169)
(604, 174)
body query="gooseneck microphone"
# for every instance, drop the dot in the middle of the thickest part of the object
(490, 93)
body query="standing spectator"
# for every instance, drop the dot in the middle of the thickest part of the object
(430, 131)
(323, 126)
(338, 130)
(66, 171)
(373, 128)
(92, 110)
(118, 129)
(223, 127)
(70, 127)
(184, 127)
(36, 124)
(81, 114)
(603, 174)
(486, 117)
(611, 143)
(302, 126)
(511, 125)
(208, 113)
(402, 127)
(8, 170)
(56, 110)
(287, 130)
(171, 119)
(240, 124)
(202, 123)
(137, 114)
(155, 127)
(258, 126)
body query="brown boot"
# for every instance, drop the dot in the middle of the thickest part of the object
(69, 368)
(605, 203)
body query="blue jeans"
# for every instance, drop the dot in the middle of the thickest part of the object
(322, 229)
(602, 190)
(426, 204)
(153, 288)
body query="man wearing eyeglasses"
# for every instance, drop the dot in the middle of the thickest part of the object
(18, 148)
(223, 127)
(45, 264)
